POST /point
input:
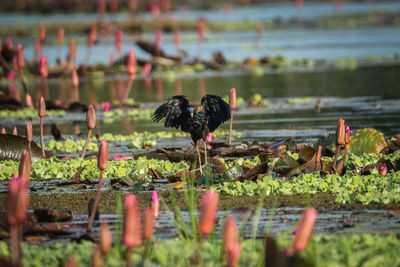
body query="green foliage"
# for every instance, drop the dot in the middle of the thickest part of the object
(27, 113)
(349, 188)
(367, 140)
(332, 250)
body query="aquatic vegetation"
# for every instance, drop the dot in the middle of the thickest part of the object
(27, 113)
(349, 188)
(367, 140)
(330, 250)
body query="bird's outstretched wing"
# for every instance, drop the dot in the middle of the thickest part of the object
(175, 111)
(216, 110)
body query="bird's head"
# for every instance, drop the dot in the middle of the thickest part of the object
(191, 110)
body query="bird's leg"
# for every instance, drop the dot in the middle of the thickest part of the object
(198, 153)
(205, 152)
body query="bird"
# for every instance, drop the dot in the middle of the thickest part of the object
(199, 121)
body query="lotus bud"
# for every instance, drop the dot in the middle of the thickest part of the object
(158, 38)
(3, 131)
(200, 29)
(9, 43)
(13, 188)
(132, 222)
(304, 231)
(43, 67)
(209, 206)
(131, 66)
(177, 37)
(20, 56)
(106, 106)
(25, 167)
(42, 32)
(28, 100)
(148, 224)
(92, 35)
(15, 131)
(103, 155)
(231, 242)
(232, 99)
(340, 133)
(347, 135)
(105, 238)
(38, 47)
(155, 204)
(75, 78)
(72, 54)
(119, 35)
(383, 170)
(42, 107)
(60, 37)
(146, 69)
(91, 118)
(154, 10)
(319, 154)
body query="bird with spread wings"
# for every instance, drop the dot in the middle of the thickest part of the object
(198, 122)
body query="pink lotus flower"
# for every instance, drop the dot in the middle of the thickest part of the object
(232, 99)
(106, 106)
(18, 200)
(103, 155)
(155, 204)
(383, 170)
(209, 206)
(154, 10)
(132, 222)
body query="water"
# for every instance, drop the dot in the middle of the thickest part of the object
(264, 12)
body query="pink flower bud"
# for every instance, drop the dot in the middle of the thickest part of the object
(43, 67)
(303, 232)
(15, 130)
(132, 222)
(340, 133)
(105, 238)
(60, 37)
(91, 118)
(177, 38)
(232, 99)
(29, 132)
(11, 75)
(154, 10)
(28, 101)
(3, 131)
(146, 69)
(209, 206)
(42, 32)
(20, 56)
(200, 29)
(42, 107)
(106, 106)
(158, 38)
(131, 66)
(25, 167)
(103, 155)
(9, 43)
(383, 170)
(148, 224)
(347, 135)
(231, 242)
(155, 204)
(209, 137)
(119, 35)
(75, 79)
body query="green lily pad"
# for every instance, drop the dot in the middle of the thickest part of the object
(367, 140)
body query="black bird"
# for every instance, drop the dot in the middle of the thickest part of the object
(198, 122)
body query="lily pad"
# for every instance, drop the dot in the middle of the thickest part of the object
(367, 140)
